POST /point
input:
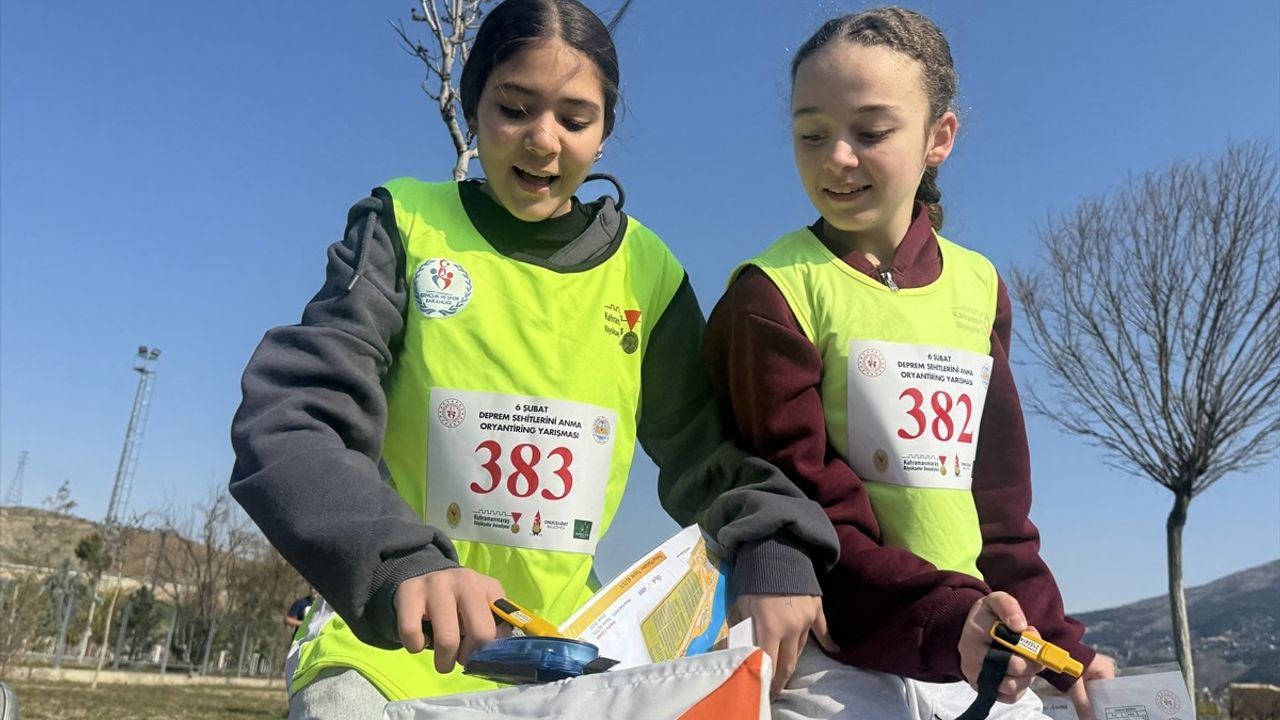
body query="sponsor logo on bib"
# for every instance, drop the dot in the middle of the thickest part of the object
(600, 429)
(441, 288)
(871, 362)
(880, 460)
(451, 413)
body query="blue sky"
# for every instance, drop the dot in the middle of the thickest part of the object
(170, 175)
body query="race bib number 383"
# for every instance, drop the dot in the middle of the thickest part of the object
(518, 471)
(914, 412)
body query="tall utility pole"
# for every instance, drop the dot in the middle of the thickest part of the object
(13, 497)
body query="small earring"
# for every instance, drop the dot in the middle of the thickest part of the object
(600, 153)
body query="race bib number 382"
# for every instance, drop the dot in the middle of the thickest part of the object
(519, 471)
(914, 412)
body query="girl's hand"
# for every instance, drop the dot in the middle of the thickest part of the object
(782, 625)
(1102, 668)
(975, 640)
(444, 598)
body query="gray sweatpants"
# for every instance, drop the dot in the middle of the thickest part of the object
(823, 689)
(337, 694)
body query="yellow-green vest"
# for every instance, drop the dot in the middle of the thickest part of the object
(519, 329)
(835, 304)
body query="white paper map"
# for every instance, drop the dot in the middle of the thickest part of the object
(1059, 707)
(1159, 696)
(1154, 696)
(671, 603)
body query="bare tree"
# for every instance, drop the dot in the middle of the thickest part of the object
(212, 540)
(260, 592)
(452, 24)
(1156, 312)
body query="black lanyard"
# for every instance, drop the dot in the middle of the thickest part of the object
(994, 667)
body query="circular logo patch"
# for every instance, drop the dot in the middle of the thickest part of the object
(600, 429)
(630, 342)
(880, 459)
(441, 288)
(871, 362)
(451, 412)
(453, 515)
(1167, 701)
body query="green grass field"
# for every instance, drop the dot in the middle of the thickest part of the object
(45, 700)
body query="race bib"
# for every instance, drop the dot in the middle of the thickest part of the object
(519, 471)
(914, 413)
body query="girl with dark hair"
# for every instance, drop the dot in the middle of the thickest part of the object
(867, 357)
(454, 418)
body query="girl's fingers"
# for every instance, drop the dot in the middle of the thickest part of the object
(409, 615)
(785, 665)
(477, 624)
(821, 633)
(442, 611)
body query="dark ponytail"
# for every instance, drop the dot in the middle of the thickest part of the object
(929, 194)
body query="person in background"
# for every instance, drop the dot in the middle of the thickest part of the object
(298, 611)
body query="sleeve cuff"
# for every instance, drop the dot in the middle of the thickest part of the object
(772, 566)
(380, 627)
(940, 644)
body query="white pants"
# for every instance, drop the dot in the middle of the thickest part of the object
(823, 689)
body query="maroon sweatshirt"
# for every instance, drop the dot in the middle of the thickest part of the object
(887, 608)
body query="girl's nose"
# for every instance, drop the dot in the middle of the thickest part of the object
(540, 141)
(842, 157)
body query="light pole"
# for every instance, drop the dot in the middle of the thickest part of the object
(123, 484)
(133, 435)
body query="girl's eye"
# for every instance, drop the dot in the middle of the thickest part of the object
(574, 125)
(872, 138)
(812, 138)
(514, 113)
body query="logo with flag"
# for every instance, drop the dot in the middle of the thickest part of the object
(631, 341)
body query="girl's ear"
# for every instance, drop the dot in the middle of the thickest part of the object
(942, 137)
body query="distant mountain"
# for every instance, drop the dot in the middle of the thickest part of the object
(1235, 629)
